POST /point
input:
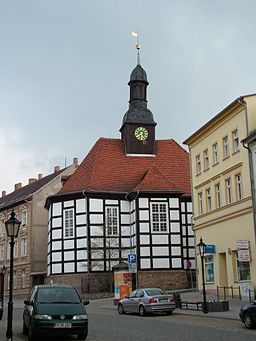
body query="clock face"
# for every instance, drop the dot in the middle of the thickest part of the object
(141, 133)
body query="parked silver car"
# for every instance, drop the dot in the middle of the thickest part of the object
(146, 301)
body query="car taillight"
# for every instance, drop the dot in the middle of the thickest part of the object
(153, 300)
(172, 299)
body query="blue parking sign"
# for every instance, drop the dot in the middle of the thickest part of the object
(131, 258)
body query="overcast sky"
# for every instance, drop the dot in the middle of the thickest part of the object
(65, 65)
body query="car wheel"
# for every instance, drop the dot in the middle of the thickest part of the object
(31, 334)
(120, 309)
(1, 314)
(82, 336)
(24, 329)
(248, 321)
(142, 310)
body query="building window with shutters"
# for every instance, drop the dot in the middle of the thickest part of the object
(24, 247)
(235, 141)
(208, 199)
(198, 165)
(15, 250)
(229, 190)
(206, 160)
(200, 203)
(226, 152)
(209, 269)
(112, 221)
(24, 218)
(23, 279)
(215, 154)
(239, 189)
(68, 223)
(218, 195)
(159, 217)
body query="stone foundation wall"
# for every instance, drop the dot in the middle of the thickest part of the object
(166, 280)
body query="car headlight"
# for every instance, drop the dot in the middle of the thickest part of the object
(42, 317)
(80, 317)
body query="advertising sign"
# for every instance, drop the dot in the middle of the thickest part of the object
(243, 255)
(242, 244)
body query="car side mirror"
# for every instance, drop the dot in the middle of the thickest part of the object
(86, 302)
(27, 302)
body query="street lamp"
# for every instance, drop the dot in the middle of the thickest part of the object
(12, 226)
(201, 248)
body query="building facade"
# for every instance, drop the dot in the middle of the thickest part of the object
(222, 196)
(128, 196)
(30, 249)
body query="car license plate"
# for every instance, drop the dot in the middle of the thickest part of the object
(163, 301)
(62, 325)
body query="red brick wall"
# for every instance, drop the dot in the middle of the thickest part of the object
(167, 280)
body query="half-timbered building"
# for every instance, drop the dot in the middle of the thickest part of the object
(129, 195)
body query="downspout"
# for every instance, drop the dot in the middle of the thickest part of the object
(193, 217)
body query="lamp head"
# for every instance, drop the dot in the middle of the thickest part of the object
(12, 226)
(201, 245)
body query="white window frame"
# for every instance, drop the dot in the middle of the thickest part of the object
(24, 245)
(226, 151)
(218, 195)
(215, 153)
(235, 137)
(239, 187)
(15, 249)
(159, 217)
(198, 165)
(24, 215)
(228, 184)
(209, 266)
(15, 279)
(23, 279)
(208, 200)
(2, 251)
(206, 160)
(240, 268)
(69, 223)
(200, 203)
(112, 221)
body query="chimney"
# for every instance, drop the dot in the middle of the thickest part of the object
(17, 186)
(39, 176)
(56, 169)
(75, 161)
(31, 180)
(3, 194)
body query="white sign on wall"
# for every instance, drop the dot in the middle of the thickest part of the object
(242, 244)
(243, 255)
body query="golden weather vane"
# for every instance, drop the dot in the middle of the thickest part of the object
(136, 34)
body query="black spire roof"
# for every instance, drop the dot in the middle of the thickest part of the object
(138, 113)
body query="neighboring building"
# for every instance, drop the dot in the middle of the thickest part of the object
(30, 249)
(129, 195)
(222, 196)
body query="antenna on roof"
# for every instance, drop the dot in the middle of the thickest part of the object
(136, 34)
(65, 162)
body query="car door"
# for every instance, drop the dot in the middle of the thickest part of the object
(28, 309)
(137, 300)
(129, 302)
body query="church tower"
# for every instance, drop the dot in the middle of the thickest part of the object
(138, 127)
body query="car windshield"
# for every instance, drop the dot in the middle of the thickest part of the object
(154, 292)
(61, 295)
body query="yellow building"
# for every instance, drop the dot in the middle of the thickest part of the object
(222, 197)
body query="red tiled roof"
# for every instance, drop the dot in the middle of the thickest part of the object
(106, 168)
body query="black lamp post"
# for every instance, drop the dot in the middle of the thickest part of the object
(201, 247)
(12, 226)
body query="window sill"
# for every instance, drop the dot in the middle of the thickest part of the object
(215, 164)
